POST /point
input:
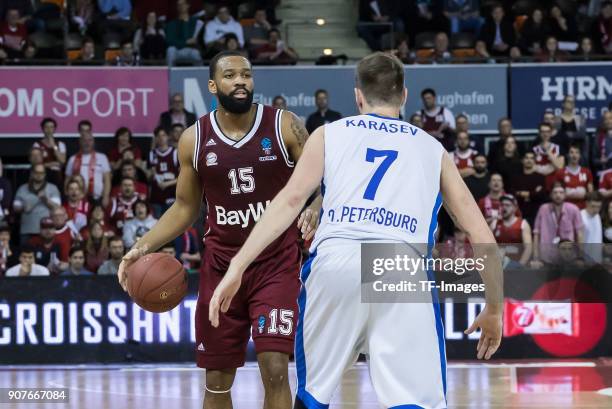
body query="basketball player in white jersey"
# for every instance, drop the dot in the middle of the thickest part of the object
(384, 180)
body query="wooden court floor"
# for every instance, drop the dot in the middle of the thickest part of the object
(522, 384)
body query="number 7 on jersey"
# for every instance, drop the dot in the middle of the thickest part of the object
(389, 158)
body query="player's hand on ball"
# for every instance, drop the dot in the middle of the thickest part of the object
(308, 223)
(222, 297)
(490, 324)
(129, 258)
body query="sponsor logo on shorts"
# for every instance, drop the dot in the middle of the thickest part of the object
(211, 159)
(261, 324)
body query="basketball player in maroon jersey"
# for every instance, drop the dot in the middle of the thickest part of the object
(238, 158)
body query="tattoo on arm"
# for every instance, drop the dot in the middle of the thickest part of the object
(453, 217)
(299, 130)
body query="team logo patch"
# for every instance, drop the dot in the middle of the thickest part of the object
(261, 324)
(266, 145)
(211, 142)
(211, 159)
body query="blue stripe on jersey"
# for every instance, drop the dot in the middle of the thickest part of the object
(300, 359)
(434, 294)
(407, 407)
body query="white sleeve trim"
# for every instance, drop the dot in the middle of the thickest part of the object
(196, 146)
(279, 138)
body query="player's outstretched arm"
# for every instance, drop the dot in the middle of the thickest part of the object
(183, 212)
(279, 214)
(295, 136)
(462, 208)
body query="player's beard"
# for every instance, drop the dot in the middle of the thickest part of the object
(233, 105)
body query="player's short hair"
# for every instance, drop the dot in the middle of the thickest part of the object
(428, 91)
(212, 69)
(48, 119)
(380, 77)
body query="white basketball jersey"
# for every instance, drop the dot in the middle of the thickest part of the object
(381, 181)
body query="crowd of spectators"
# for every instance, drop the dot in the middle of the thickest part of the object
(79, 211)
(552, 190)
(442, 31)
(135, 32)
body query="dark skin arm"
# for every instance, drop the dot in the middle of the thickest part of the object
(179, 216)
(294, 136)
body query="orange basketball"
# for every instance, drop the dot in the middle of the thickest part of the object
(157, 282)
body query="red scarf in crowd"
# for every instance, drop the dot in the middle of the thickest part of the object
(76, 169)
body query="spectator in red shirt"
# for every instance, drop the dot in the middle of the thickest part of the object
(548, 155)
(605, 184)
(77, 207)
(54, 152)
(47, 250)
(96, 247)
(121, 208)
(65, 232)
(128, 170)
(97, 215)
(550, 51)
(275, 51)
(577, 180)
(602, 28)
(513, 229)
(13, 36)
(604, 140)
(123, 142)
(464, 155)
(9, 256)
(164, 164)
(490, 206)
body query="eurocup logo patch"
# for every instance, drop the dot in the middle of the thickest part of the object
(261, 324)
(266, 145)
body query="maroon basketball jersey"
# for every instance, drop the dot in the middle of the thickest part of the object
(239, 179)
(166, 167)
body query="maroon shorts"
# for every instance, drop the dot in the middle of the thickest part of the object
(265, 307)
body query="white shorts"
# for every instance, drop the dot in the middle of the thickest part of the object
(404, 342)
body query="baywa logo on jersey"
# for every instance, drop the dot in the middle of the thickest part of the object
(211, 159)
(261, 324)
(266, 146)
